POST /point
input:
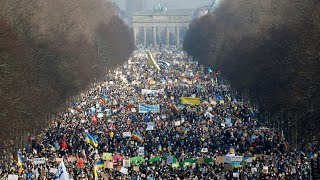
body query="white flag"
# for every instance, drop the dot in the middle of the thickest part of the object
(62, 173)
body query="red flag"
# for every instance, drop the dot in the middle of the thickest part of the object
(130, 106)
(94, 119)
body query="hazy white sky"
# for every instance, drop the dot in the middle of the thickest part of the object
(171, 4)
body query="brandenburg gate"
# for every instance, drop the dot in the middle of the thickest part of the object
(169, 24)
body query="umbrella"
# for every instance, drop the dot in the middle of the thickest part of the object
(153, 159)
(116, 157)
(137, 160)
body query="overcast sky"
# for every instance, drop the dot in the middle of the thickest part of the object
(171, 4)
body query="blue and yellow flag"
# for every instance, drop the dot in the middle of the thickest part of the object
(95, 174)
(100, 164)
(19, 159)
(190, 100)
(91, 140)
(151, 61)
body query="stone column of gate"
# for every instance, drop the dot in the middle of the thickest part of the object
(168, 35)
(144, 36)
(154, 35)
(177, 36)
(135, 35)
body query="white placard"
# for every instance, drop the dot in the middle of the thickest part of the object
(133, 110)
(141, 151)
(236, 175)
(177, 123)
(229, 159)
(204, 150)
(126, 163)
(124, 170)
(13, 177)
(53, 170)
(100, 115)
(150, 126)
(126, 134)
(39, 161)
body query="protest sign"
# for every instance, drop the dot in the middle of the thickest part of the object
(203, 150)
(107, 156)
(265, 169)
(236, 175)
(100, 115)
(175, 165)
(126, 134)
(136, 168)
(169, 160)
(149, 91)
(124, 170)
(220, 159)
(200, 160)
(150, 126)
(230, 159)
(59, 159)
(72, 159)
(53, 170)
(39, 161)
(126, 163)
(108, 164)
(13, 177)
(141, 151)
(177, 123)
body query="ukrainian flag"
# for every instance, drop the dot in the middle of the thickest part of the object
(100, 164)
(95, 174)
(151, 61)
(19, 159)
(91, 140)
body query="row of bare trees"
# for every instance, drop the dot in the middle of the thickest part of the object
(268, 50)
(49, 51)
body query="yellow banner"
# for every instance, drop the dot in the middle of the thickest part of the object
(190, 100)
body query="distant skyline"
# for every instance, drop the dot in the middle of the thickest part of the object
(170, 4)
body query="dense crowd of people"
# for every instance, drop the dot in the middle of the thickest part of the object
(180, 140)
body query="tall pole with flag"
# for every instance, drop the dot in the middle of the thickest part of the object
(62, 173)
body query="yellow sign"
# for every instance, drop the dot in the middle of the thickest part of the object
(190, 100)
(107, 156)
(175, 165)
(222, 102)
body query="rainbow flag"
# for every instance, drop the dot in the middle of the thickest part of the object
(91, 140)
(233, 117)
(103, 99)
(136, 135)
(173, 107)
(100, 164)
(19, 159)
(77, 109)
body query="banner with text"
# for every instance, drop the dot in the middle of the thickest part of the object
(190, 100)
(144, 108)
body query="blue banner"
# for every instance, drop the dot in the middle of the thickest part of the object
(144, 108)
